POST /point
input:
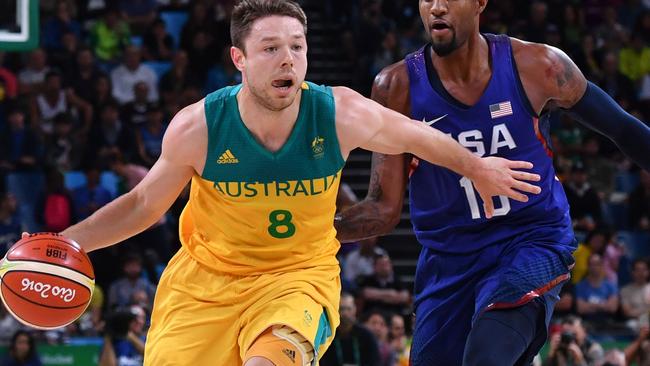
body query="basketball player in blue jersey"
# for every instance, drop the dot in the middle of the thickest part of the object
(487, 279)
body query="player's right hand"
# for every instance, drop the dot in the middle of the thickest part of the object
(497, 177)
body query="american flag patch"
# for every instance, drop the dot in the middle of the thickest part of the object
(500, 110)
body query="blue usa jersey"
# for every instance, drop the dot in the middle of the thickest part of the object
(446, 211)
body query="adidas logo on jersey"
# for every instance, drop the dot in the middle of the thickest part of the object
(290, 353)
(227, 158)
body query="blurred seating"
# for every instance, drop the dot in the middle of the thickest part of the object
(174, 22)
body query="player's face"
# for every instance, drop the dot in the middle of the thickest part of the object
(274, 62)
(450, 22)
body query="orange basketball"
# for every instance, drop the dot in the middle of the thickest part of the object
(46, 281)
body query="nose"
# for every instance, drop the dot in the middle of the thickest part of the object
(287, 57)
(439, 8)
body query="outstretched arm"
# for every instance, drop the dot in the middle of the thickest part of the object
(561, 84)
(140, 208)
(364, 123)
(380, 211)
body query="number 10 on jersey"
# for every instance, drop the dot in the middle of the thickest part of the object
(473, 201)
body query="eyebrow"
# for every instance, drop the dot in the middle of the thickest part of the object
(275, 38)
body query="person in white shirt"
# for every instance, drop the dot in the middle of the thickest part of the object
(129, 73)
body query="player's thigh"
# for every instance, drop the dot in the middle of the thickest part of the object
(441, 327)
(444, 305)
(529, 271)
(189, 331)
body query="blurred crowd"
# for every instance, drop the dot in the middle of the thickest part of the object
(82, 119)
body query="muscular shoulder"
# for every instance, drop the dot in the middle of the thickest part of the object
(391, 87)
(186, 139)
(549, 76)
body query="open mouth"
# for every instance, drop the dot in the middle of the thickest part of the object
(439, 26)
(282, 84)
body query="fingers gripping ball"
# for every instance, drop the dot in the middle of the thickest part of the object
(46, 281)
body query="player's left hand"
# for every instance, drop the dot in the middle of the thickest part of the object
(496, 177)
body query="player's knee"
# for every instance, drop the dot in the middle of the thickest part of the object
(501, 337)
(258, 361)
(279, 346)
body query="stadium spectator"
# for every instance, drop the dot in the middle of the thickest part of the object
(635, 58)
(375, 321)
(108, 136)
(635, 297)
(383, 290)
(572, 346)
(199, 20)
(583, 199)
(55, 210)
(134, 113)
(55, 27)
(18, 144)
(360, 262)
(177, 79)
(109, 36)
(617, 85)
(101, 95)
(130, 72)
(91, 196)
(353, 344)
(31, 77)
(638, 351)
(124, 339)
(149, 136)
(55, 100)
(82, 78)
(139, 14)
(64, 58)
(202, 53)
(222, 73)
(158, 45)
(63, 147)
(399, 341)
(597, 298)
(22, 351)
(121, 292)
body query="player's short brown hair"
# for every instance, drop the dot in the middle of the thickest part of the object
(246, 12)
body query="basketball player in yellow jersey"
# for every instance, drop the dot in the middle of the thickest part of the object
(256, 281)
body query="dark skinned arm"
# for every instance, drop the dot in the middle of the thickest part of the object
(380, 211)
(560, 84)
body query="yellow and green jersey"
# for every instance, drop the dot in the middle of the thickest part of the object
(253, 211)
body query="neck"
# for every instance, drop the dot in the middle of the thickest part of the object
(466, 63)
(270, 127)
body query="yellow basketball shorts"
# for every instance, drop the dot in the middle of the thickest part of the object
(207, 318)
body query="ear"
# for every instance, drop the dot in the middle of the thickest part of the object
(238, 57)
(481, 5)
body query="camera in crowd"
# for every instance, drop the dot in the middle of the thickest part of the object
(566, 338)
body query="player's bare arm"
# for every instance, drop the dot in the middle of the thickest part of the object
(364, 123)
(561, 84)
(380, 211)
(183, 153)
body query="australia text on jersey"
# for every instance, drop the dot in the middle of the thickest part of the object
(289, 188)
